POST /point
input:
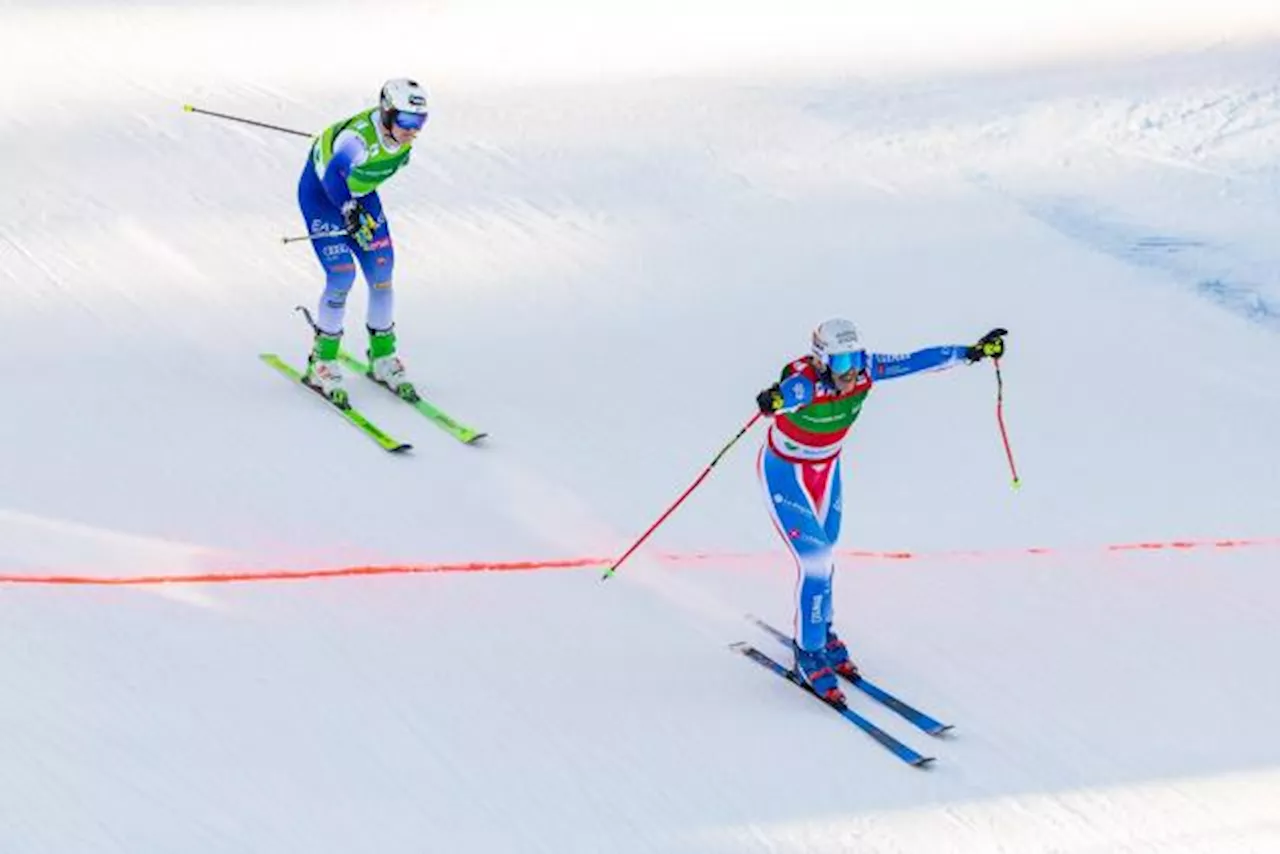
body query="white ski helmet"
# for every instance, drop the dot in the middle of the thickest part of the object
(838, 347)
(403, 103)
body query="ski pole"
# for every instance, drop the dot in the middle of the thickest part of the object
(190, 109)
(706, 471)
(316, 236)
(1004, 435)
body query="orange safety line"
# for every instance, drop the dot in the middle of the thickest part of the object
(299, 574)
(578, 563)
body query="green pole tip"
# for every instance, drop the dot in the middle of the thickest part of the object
(186, 108)
(1017, 484)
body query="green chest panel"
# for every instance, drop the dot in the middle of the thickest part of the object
(830, 416)
(378, 164)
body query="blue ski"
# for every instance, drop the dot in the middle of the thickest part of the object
(915, 716)
(897, 748)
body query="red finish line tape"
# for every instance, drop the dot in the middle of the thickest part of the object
(601, 562)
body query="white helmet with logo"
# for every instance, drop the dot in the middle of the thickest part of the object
(838, 347)
(403, 103)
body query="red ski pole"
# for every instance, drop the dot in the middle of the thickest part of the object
(1004, 435)
(608, 573)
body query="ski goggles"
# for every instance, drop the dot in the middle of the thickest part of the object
(843, 364)
(409, 121)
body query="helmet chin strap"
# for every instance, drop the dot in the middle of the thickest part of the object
(384, 130)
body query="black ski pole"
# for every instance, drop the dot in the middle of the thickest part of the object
(190, 109)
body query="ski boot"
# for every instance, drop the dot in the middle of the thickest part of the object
(812, 667)
(385, 366)
(838, 656)
(323, 372)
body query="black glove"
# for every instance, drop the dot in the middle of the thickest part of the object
(989, 345)
(770, 400)
(359, 223)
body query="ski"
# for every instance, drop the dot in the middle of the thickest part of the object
(897, 748)
(461, 432)
(915, 716)
(353, 415)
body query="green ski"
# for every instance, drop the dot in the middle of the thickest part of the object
(354, 416)
(461, 432)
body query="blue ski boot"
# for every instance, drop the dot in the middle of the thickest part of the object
(838, 656)
(812, 667)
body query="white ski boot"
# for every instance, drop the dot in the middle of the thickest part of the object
(324, 374)
(385, 366)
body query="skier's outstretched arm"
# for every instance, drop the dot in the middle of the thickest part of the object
(889, 366)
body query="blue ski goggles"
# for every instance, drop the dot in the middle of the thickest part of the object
(409, 121)
(847, 363)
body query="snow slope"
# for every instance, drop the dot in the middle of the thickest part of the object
(603, 254)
